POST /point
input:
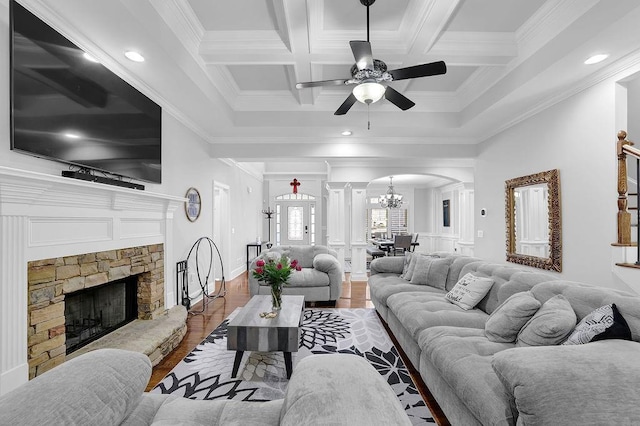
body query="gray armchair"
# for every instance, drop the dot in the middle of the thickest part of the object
(319, 280)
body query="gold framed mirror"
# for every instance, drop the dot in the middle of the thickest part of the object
(533, 220)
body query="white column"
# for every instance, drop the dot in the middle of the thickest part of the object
(336, 218)
(466, 201)
(169, 260)
(14, 369)
(359, 231)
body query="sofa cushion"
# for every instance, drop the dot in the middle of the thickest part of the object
(303, 254)
(64, 394)
(340, 389)
(592, 384)
(505, 322)
(605, 322)
(408, 274)
(431, 271)
(307, 277)
(585, 298)
(463, 357)
(469, 291)
(188, 412)
(382, 286)
(418, 311)
(551, 325)
(457, 264)
(405, 264)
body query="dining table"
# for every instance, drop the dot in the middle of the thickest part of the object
(387, 245)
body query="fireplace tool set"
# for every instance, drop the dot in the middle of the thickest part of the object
(201, 258)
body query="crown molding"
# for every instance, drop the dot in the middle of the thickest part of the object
(183, 21)
(620, 69)
(546, 23)
(248, 171)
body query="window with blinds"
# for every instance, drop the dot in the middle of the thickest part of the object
(398, 222)
(395, 220)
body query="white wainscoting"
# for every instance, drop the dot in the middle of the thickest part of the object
(430, 243)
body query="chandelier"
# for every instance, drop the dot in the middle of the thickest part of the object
(391, 199)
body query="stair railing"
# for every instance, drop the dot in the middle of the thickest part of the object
(624, 148)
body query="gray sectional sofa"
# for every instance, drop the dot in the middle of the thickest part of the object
(477, 381)
(319, 280)
(106, 387)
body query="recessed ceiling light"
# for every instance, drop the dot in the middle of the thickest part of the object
(596, 58)
(134, 56)
(88, 57)
(347, 133)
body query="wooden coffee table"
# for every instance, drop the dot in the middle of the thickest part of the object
(247, 331)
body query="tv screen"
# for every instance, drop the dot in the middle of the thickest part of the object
(67, 107)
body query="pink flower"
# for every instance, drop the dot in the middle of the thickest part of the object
(294, 263)
(259, 270)
(298, 268)
(260, 263)
(279, 266)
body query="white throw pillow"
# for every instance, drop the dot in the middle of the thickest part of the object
(469, 291)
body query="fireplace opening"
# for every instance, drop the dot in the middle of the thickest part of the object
(94, 312)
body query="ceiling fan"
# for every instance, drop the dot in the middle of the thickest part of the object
(368, 74)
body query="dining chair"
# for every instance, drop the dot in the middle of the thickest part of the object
(415, 240)
(401, 244)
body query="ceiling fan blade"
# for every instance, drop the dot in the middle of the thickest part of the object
(398, 99)
(346, 105)
(424, 70)
(321, 83)
(362, 52)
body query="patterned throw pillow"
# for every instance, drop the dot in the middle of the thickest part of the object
(469, 291)
(506, 321)
(606, 322)
(551, 325)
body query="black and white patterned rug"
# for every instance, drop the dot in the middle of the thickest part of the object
(206, 372)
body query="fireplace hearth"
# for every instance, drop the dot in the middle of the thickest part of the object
(95, 312)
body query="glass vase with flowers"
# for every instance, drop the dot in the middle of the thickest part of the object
(275, 272)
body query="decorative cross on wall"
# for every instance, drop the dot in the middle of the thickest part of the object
(295, 185)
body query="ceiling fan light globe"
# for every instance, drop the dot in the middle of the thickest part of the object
(369, 92)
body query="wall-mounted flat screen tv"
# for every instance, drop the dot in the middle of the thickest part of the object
(69, 108)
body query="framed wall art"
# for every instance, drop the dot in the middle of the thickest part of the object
(193, 205)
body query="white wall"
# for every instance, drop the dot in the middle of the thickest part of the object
(433, 235)
(576, 136)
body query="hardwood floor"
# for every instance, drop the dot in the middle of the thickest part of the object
(354, 295)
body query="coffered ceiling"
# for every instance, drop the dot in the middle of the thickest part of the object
(228, 69)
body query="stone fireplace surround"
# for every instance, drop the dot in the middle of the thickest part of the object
(51, 280)
(45, 216)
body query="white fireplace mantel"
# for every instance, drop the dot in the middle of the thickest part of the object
(44, 216)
